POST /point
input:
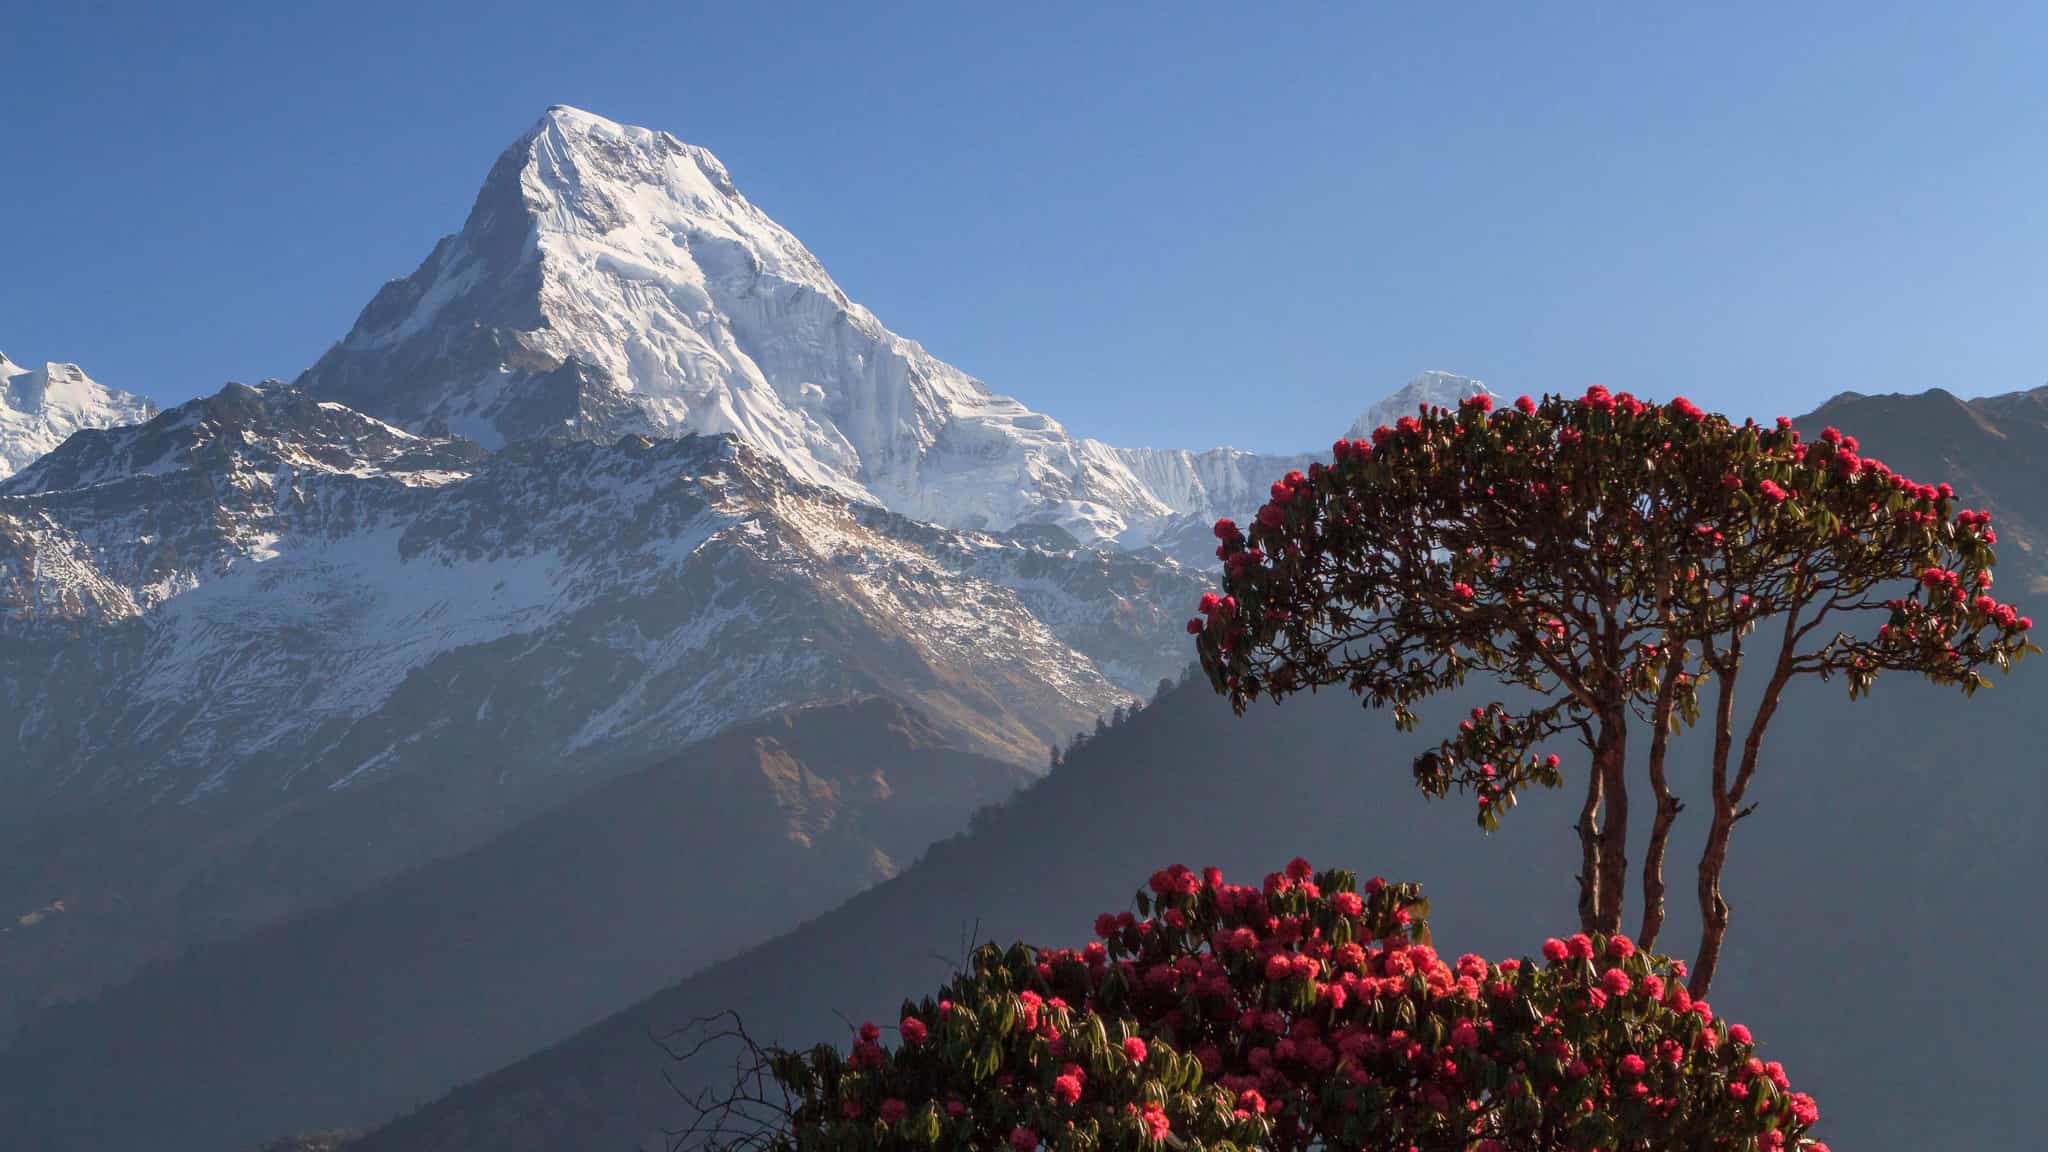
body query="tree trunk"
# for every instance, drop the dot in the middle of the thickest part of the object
(1667, 807)
(1589, 854)
(1713, 906)
(1611, 762)
(1653, 869)
(1714, 909)
(1727, 810)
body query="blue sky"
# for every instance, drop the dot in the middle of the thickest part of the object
(1173, 225)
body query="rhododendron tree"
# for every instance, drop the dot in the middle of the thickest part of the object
(1304, 1013)
(1619, 564)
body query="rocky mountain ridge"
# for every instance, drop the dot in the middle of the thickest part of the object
(260, 604)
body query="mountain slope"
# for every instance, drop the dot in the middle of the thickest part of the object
(222, 626)
(1994, 450)
(263, 513)
(39, 407)
(473, 960)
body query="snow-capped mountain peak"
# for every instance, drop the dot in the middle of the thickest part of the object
(40, 407)
(1434, 389)
(595, 178)
(614, 279)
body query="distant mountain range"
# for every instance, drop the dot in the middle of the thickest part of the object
(618, 468)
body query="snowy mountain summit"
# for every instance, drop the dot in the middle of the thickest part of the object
(39, 407)
(1428, 390)
(612, 280)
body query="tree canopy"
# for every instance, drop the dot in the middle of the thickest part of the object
(1615, 564)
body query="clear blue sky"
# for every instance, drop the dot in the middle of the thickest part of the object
(1176, 225)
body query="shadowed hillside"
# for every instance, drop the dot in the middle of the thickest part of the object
(367, 1007)
(1994, 450)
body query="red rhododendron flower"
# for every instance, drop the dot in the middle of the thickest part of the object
(1067, 1089)
(1156, 1124)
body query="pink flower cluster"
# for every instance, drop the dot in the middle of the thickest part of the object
(1302, 1012)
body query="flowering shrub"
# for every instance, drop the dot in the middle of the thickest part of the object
(1610, 558)
(1307, 1013)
